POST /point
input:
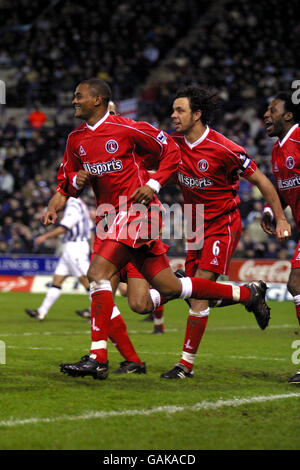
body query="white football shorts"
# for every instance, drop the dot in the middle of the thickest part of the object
(75, 259)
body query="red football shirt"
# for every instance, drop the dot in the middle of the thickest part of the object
(112, 152)
(209, 171)
(286, 170)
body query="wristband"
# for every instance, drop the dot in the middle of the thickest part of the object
(269, 210)
(74, 182)
(154, 185)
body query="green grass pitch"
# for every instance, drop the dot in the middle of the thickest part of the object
(239, 398)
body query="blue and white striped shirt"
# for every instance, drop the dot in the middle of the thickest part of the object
(77, 221)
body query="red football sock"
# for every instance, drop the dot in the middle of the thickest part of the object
(298, 313)
(101, 310)
(159, 312)
(206, 289)
(158, 319)
(195, 328)
(119, 337)
(158, 315)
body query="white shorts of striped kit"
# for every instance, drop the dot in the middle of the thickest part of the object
(75, 259)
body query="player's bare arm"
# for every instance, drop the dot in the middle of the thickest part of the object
(53, 234)
(283, 228)
(56, 204)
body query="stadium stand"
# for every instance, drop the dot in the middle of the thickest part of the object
(244, 50)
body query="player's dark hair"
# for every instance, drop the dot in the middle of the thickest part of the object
(200, 99)
(98, 86)
(288, 104)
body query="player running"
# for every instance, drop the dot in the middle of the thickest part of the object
(282, 121)
(209, 174)
(107, 151)
(76, 227)
(135, 288)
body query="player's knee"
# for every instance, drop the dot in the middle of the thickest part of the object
(94, 274)
(90, 275)
(140, 306)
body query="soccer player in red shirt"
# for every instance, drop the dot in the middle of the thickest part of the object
(209, 174)
(136, 288)
(107, 151)
(282, 121)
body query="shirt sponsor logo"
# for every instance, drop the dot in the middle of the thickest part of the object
(162, 138)
(100, 169)
(202, 165)
(289, 183)
(194, 182)
(290, 162)
(111, 146)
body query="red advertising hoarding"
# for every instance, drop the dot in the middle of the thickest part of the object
(246, 270)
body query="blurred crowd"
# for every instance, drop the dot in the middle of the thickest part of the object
(245, 51)
(120, 41)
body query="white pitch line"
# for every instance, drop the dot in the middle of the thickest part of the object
(174, 330)
(250, 327)
(204, 405)
(45, 333)
(260, 358)
(38, 348)
(157, 353)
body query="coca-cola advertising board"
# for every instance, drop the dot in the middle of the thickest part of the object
(16, 283)
(274, 272)
(242, 270)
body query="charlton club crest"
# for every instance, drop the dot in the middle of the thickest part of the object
(290, 162)
(111, 146)
(202, 165)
